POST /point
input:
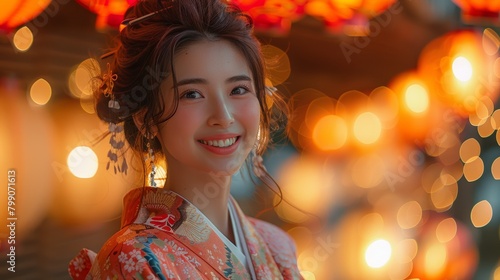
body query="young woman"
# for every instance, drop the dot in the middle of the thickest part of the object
(188, 84)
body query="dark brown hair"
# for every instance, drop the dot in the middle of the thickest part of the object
(144, 54)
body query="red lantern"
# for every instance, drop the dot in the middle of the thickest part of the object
(278, 15)
(339, 13)
(274, 15)
(109, 12)
(16, 12)
(479, 10)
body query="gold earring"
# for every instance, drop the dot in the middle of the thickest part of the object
(151, 158)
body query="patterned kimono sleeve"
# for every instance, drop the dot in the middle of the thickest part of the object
(140, 258)
(79, 266)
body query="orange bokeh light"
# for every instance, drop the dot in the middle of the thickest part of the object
(481, 214)
(418, 109)
(330, 133)
(456, 69)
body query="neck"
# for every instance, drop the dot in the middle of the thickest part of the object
(208, 192)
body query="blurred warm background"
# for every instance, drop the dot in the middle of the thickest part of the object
(393, 154)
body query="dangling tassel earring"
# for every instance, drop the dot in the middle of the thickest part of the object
(151, 158)
(258, 164)
(116, 139)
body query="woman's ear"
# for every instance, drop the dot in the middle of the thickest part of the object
(139, 120)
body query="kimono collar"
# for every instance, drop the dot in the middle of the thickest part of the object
(140, 202)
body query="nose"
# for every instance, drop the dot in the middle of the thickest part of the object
(221, 113)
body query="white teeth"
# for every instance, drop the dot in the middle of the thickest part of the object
(220, 143)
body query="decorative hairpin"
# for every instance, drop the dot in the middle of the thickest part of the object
(133, 21)
(117, 142)
(108, 82)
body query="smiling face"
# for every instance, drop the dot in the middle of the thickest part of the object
(217, 119)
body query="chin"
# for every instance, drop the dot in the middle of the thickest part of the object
(229, 168)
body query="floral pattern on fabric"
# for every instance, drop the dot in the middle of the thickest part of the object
(163, 222)
(277, 242)
(80, 265)
(166, 237)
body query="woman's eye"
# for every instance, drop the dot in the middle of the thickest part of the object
(239, 91)
(192, 95)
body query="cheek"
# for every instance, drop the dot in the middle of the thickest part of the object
(180, 126)
(250, 116)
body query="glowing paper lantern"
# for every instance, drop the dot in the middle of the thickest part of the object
(16, 12)
(269, 15)
(338, 13)
(479, 10)
(109, 12)
(278, 15)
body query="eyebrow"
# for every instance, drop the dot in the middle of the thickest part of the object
(203, 81)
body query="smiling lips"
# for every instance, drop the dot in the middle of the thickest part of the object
(222, 146)
(220, 143)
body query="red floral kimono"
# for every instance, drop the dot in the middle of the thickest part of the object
(166, 237)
